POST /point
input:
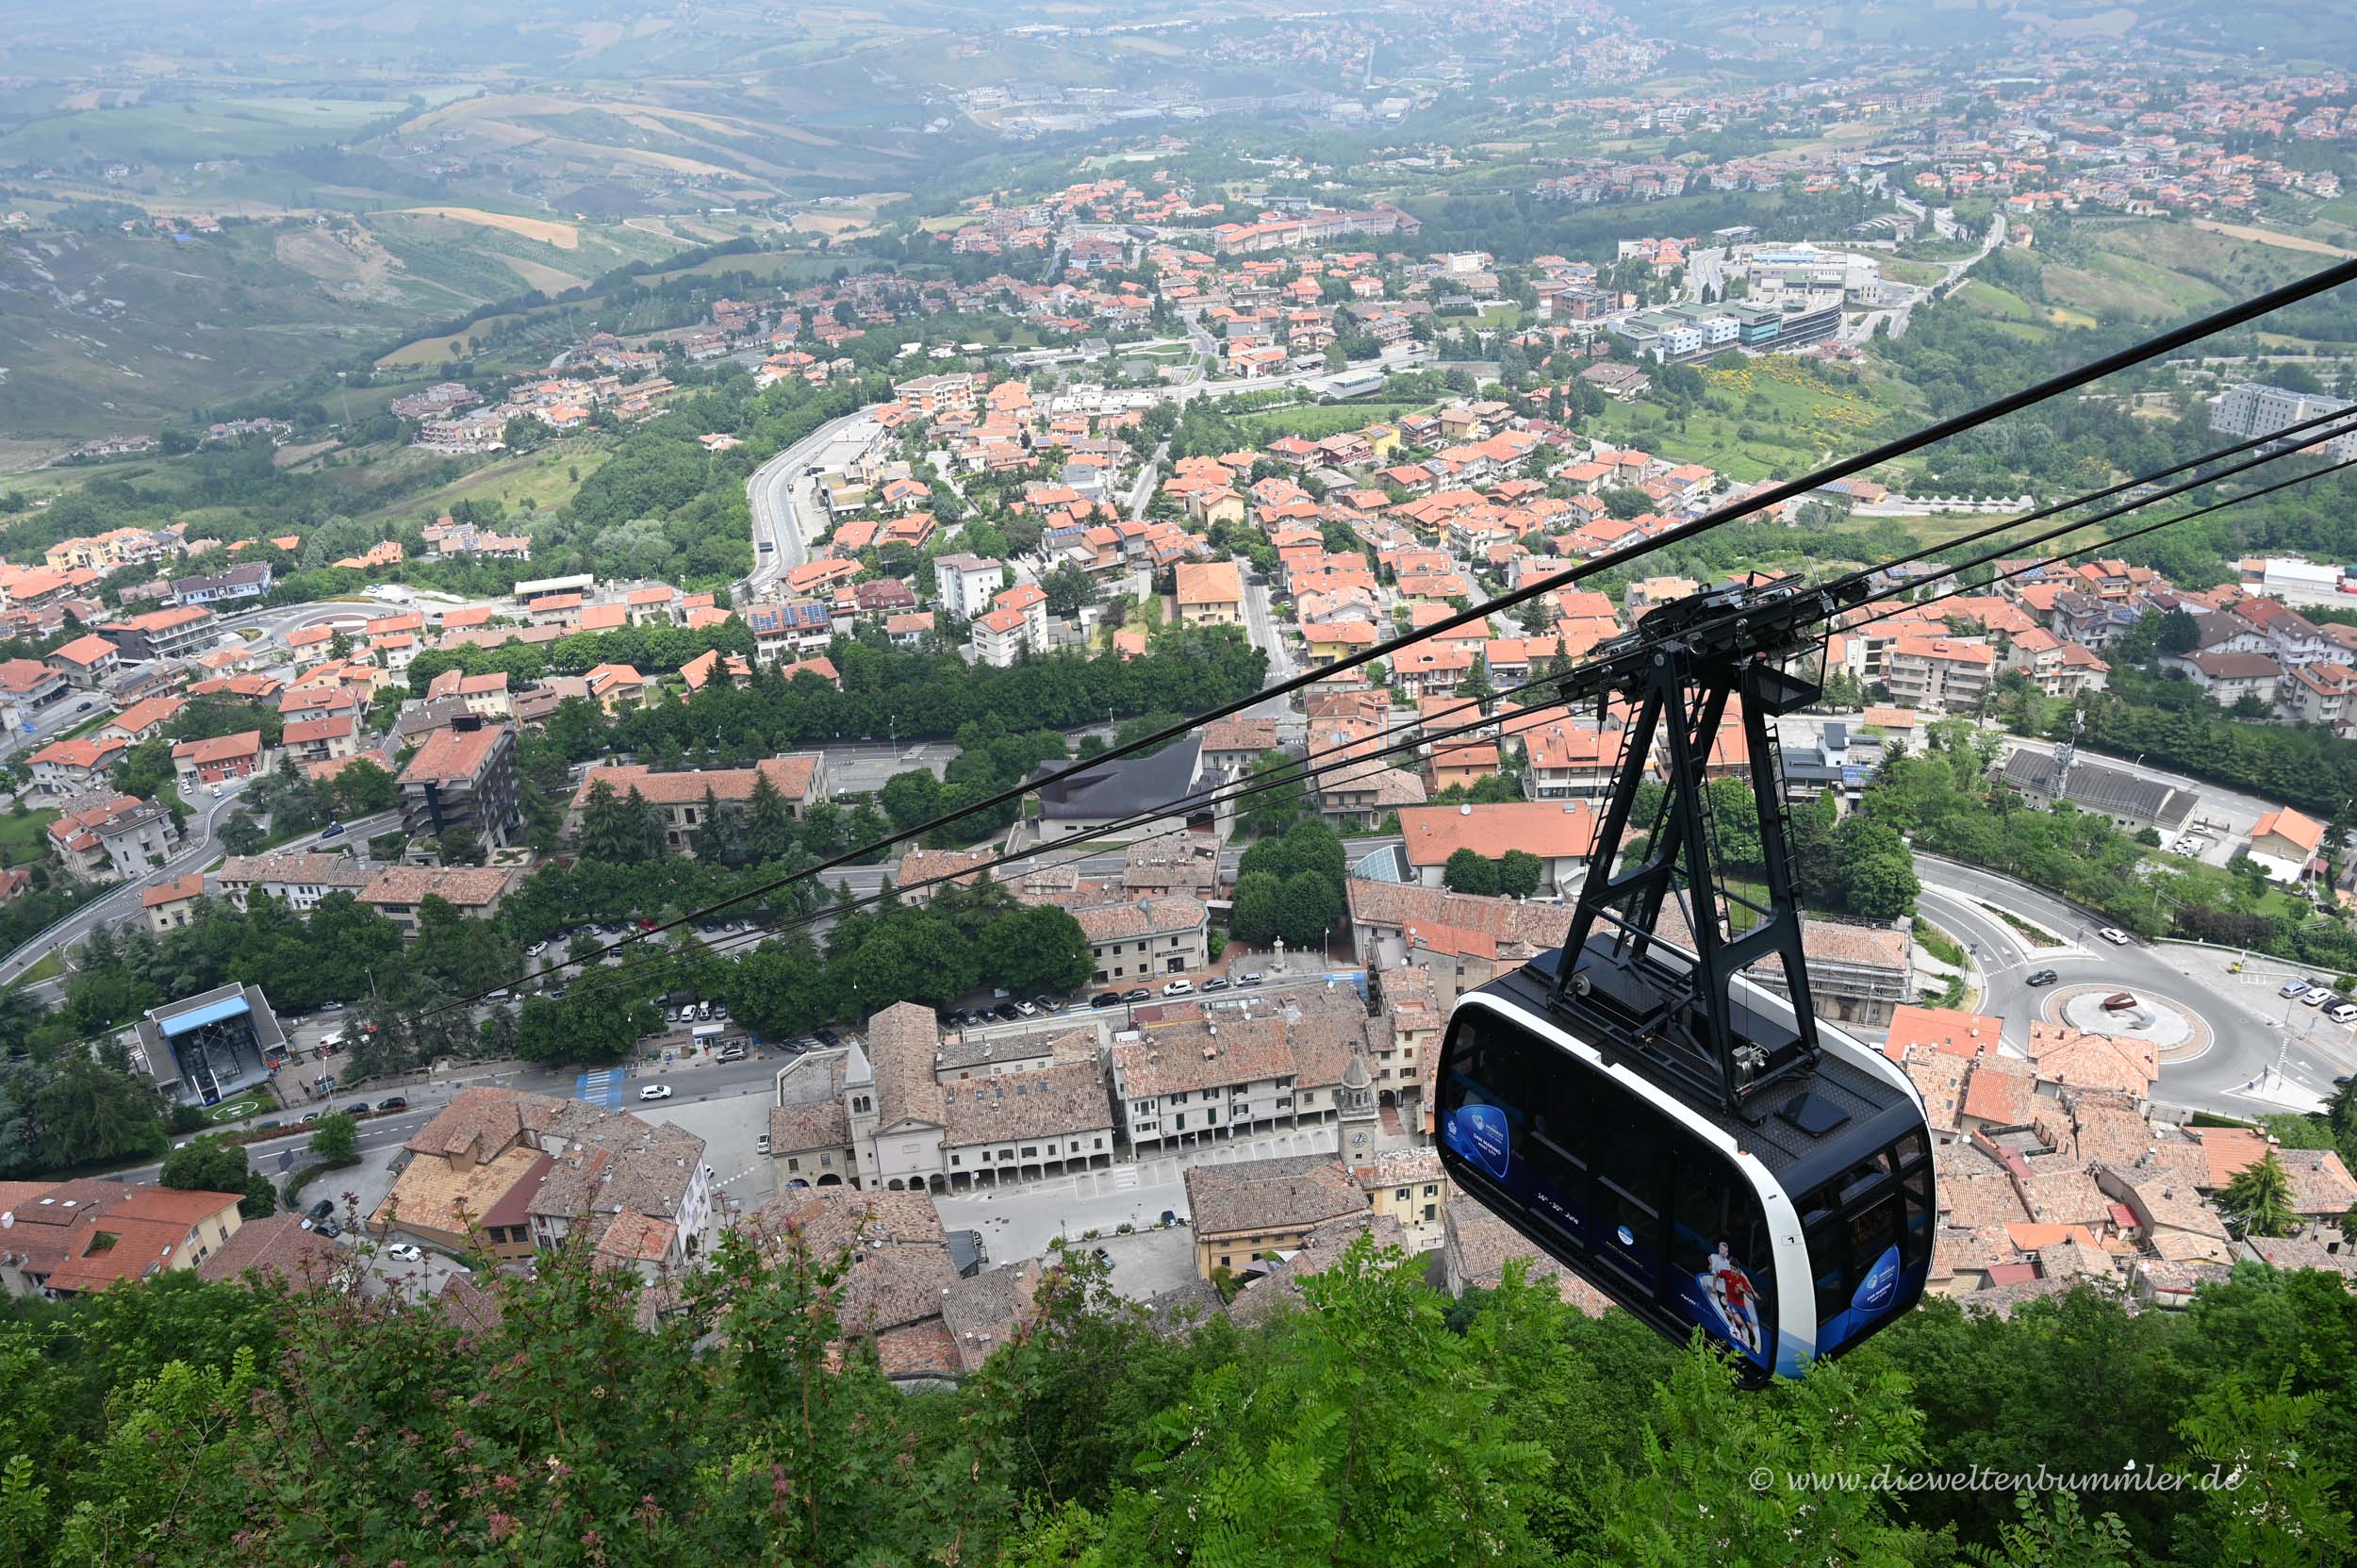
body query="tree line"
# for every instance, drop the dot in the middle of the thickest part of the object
(174, 1422)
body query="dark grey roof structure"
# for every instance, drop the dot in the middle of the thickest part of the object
(1132, 786)
(2113, 791)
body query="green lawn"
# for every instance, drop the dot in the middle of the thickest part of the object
(545, 478)
(1778, 415)
(1314, 422)
(22, 839)
(50, 967)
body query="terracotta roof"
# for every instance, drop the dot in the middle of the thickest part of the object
(282, 1247)
(466, 887)
(1261, 1195)
(1945, 1028)
(2287, 823)
(820, 1125)
(1549, 829)
(1058, 1101)
(686, 787)
(454, 755)
(901, 1041)
(174, 891)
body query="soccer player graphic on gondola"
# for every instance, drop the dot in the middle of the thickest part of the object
(1728, 1288)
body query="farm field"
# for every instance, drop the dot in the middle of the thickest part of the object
(223, 127)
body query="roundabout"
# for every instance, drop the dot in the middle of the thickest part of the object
(2174, 1030)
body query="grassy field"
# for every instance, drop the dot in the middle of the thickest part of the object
(1780, 417)
(50, 967)
(1314, 422)
(212, 127)
(2113, 284)
(546, 478)
(22, 838)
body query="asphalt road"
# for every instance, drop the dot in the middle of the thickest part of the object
(774, 490)
(198, 849)
(2246, 1021)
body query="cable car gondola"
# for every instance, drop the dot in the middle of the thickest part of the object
(1782, 1239)
(1689, 1141)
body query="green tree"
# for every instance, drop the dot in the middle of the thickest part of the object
(210, 1165)
(2258, 1200)
(240, 834)
(1470, 871)
(622, 829)
(1255, 914)
(336, 1140)
(1037, 950)
(769, 822)
(1276, 804)
(1308, 909)
(88, 1113)
(461, 847)
(1520, 873)
(1878, 878)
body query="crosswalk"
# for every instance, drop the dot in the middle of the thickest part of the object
(603, 1087)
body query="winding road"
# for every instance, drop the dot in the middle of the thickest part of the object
(2251, 1029)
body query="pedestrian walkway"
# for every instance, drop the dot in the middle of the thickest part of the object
(603, 1087)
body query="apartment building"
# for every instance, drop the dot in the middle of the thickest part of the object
(397, 891)
(202, 763)
(1945, 674)
(71, 766)
(463, 776)
(1209, 593)
(162, 634)
(679, 796)
(118, 836)
(297, 878)
(1246, 1215)
(87, 662)
(967, 584)
(1127, 941)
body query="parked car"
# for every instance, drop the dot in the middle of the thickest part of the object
(310, 1116)
(2341, 1011)
(2115, 936)
(2292, 988)
(358, 1108)
(1139, 994)
(761, 1145)
(731, 1053)
(396, 1102)
(2040, 977)
(1048, 1004)
(327, 1228)
(405, 1252)
(1025, 1009)
(655, 1091)
(1250, 977)
(536, 949)
(1217, 982)
(2317, 996)
(321, 1210)
(1178, 987)
(1105, 998)
(333, 829)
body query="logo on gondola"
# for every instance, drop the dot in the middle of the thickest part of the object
(1881, 1284)
(1628, 1237)
(1480, 1131)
